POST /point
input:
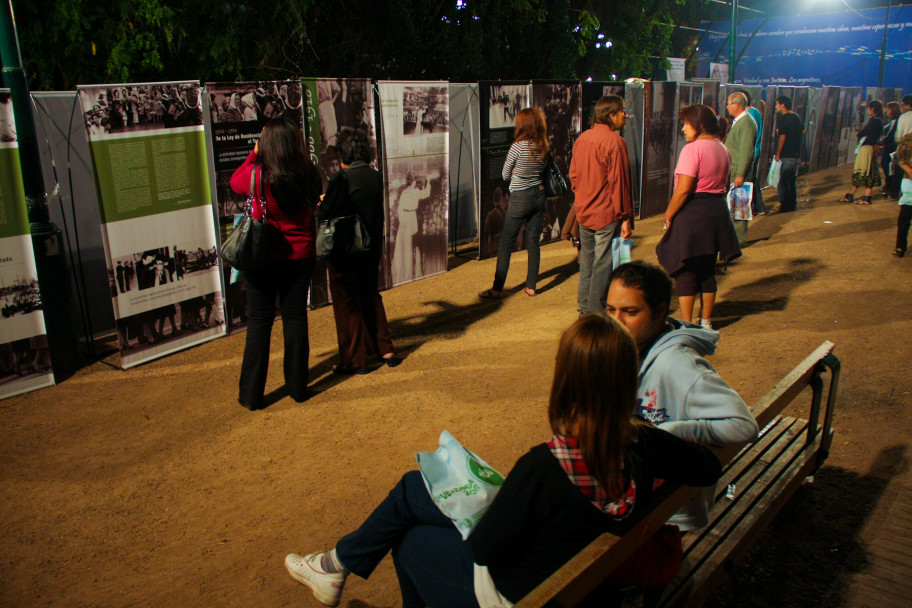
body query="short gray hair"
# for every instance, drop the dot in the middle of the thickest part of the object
(739, 99)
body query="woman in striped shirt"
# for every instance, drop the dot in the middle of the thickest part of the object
(523, 168)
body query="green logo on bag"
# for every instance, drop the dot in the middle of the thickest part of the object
(485, 473)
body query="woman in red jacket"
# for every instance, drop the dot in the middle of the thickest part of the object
(292, 188)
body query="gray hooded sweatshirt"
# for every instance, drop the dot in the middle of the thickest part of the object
(681, 393)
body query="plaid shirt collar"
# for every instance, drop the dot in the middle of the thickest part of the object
(568, 454)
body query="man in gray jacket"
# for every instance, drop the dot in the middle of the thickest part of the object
(679, 391)
(740, 144)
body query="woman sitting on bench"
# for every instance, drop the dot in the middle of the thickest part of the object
(591, 477)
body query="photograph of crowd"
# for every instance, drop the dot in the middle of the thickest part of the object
(506, 101)
(419, 206)
(132, 108)
(255, 101)
(169, 322)
(425, 110)
(23, 358)
(153, 267)
(20, 298)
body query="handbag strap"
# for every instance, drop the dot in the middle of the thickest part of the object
(253, 191)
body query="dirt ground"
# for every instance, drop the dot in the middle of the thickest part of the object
(152, 487)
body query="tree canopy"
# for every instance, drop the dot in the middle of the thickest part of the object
(69, 42)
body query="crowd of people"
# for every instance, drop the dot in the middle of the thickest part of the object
(634, 403)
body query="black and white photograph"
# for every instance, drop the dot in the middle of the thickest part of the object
(425, 110)
(259, 101)
(170, 322)
(136, 108)
(154, 267)
(24, 358)
(658, 163)
(19, 297)
(505, 101)
(7, 119)
(419, 208)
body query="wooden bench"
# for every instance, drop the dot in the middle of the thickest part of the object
(756, 482)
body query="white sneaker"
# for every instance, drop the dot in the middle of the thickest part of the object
(706, 323)
(326, 587)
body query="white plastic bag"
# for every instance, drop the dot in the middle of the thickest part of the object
(620, 251)
(739, 201)
(772, 179)
(460, 483)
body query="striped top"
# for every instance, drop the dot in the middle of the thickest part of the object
(521, 169)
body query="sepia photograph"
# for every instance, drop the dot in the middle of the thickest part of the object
(506, 101)
(136, 108)
(425, 110)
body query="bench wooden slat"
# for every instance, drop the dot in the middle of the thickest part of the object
(775, 401)
(745, 471)
(729, 537)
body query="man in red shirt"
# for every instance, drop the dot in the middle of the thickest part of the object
(600, 178)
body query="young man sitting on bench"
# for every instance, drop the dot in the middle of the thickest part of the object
(679, 391)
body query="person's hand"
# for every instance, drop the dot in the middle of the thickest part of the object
(739, 181)
(256, 147)
(625, 230)
(668, 219)
(777, 157)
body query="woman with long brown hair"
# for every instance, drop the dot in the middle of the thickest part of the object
(523, 169)
(594, 475)
(292, 188)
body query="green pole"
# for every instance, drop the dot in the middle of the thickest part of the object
(47, 240)
(733, 41)
(883, 47)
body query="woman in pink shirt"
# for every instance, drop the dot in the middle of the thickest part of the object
(698, 224)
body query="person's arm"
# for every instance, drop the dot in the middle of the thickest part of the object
(240, 179)
(907, 169)
(679, 461)
(687, 184)
(780, 146)
(714, 412)
(505, 526)
(626, 192)
(510, 162)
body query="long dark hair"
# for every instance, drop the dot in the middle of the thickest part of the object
(284, 159)
(593, 395)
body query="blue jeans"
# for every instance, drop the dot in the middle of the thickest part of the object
(290, 280)
(433, 563)
(595, 267)
(788, 185)
(527, 205)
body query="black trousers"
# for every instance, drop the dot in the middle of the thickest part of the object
(289, 280)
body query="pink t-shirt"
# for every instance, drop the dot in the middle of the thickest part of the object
(709, 161)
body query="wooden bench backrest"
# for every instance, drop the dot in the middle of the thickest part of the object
(578, 577)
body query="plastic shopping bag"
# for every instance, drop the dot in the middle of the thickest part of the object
(461, 484)
(620, 251)
(739, 201)
(772, 179)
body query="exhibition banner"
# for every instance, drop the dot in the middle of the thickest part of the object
(415, 124)
(332, 105)
(661, 119)
(151, 173)
(25, 360)
(841, 48)
(500, 102)
(561, 104)
(238, 111)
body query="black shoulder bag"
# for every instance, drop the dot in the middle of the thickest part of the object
(245, 248)
(343, 232)
(552, 180)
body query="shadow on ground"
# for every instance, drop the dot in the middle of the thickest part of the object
(768, 293)
(805, 558)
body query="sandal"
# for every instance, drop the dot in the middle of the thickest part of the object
(898, 253)
(529, 292)
(848, 198)
(864, 200)
(490, 294)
